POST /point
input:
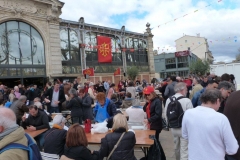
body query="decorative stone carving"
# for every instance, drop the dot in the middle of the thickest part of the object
(19, 6)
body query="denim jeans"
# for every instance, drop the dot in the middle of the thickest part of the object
(54, 109)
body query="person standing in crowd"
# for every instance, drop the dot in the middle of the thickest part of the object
(91, 91)
(208, 132)
(125, 149)
(106, 85)
(153, 109)
(19, 108)
(75, 84)
(21, 89)
(11, 95)
(105, 109)
(225, 89)
(111, 91)
(233, 81)
(55, 138)
(188, 81)
(169, 91)
(232, 112)
(197, 86)
(181, 145)
(87, 105)
(54, 97)
(16, 92)
(162, 90)
(74, 103)
(204, 83)
(100, 87)
(225, 77)
(37, 92)
(131, 89)
(120, 84)
(10, 133)
(30, 94)
(196, 97)
(137, 82)
(76, 145)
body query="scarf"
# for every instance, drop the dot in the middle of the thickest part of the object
(57, 126)
(8, 131)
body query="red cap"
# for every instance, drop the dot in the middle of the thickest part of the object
(148, 90)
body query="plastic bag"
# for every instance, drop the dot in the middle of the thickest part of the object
(99, 128)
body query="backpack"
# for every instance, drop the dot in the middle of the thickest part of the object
(32, 148)
(175, 112)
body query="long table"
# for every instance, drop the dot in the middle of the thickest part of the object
(35, 133)
(142, 138)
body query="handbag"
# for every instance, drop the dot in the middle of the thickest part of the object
(115, 146)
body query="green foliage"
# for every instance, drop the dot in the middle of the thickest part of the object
(199, 67)
(238, 56)
(132, 72)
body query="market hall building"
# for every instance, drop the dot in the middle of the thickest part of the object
(37, 46)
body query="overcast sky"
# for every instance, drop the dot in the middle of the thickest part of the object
(219, 22)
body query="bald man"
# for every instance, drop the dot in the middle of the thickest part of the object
(10, 132)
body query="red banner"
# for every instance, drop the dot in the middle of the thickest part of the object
(89, 71)
(104, 49)
(182, 53)
(117, 72)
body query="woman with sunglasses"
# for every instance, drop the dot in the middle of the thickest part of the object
(153, 109)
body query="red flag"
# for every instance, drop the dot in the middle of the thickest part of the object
(89, 71)
(117, 72)
(104, 50)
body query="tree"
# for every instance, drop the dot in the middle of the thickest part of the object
(199, 67)
(132, 72)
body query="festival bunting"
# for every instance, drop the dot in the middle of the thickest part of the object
(117, 72)
(104, 50)
(89, 71)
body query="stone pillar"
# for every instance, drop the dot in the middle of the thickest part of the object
(150, 52)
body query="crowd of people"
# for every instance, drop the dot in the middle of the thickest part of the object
(206, 126)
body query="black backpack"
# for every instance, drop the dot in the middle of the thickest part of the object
(175, 112)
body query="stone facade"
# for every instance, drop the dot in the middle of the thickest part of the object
(43, 15)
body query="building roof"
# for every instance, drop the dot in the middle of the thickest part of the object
(103, 27)
(190, 36)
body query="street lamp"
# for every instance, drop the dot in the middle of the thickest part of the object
(122, 45)
(81, 38)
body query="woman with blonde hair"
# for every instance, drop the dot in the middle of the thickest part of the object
(127, 140)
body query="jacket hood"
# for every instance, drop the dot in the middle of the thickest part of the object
(15, 136)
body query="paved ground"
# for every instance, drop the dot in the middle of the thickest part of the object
(166, 140)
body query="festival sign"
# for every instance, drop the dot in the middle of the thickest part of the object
(182, 53)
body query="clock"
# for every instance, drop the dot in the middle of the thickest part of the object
(3, 57)
(64, 39)
(7, 43)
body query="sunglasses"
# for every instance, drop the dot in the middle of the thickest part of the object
(147, 94)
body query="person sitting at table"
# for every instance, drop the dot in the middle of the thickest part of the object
(35, 121)
(116, 101)
(136, 114)
(74, 103)
(76, 145)
(19, 108)
(105, 109)
(129, 101)
(40, 107)
(10, 133)
(55, 138)
(125, 148)
(87, 105)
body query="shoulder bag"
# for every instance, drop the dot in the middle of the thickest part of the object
(115, 146)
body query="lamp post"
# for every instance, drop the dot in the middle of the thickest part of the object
(122, 44)
(81, 37)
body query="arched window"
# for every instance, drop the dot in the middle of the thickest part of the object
(22, 47)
